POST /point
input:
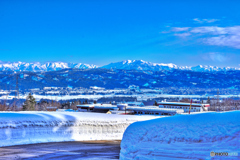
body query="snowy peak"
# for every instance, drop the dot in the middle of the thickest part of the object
(203, 68)
(35, 67)
(143, 65)
(140, 65)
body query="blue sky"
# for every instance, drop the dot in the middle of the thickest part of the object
(101, 32)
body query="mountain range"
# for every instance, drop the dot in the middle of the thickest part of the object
(139, 65)
(42, 67)
(178, 80)
(143, 65)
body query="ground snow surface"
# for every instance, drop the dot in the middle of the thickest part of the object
(183, 137)
(18, 128)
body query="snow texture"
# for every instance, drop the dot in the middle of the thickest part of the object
(183, 137)
(18, 128)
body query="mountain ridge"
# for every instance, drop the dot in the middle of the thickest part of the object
(139, 65)
(40, 67)
(144, 65)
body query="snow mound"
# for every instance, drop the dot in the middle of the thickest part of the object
(183, 137)
(18, 128)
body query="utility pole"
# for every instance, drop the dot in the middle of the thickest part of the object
(17, 89)
(16, 94)
(190, 106)
(125, 109)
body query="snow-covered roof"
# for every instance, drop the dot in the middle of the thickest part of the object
(85, 106)
(136, 103)
(105, 107)
(98, 106)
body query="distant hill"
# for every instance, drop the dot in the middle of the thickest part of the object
(114, 78)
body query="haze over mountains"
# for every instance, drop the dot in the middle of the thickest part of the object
(139, 65)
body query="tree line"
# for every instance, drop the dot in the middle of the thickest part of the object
(30, 104)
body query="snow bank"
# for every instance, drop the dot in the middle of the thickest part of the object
(37, 127)
(183, 137)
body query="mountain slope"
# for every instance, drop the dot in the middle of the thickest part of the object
(149, 66)
(39, 67)
(139, 65)
(111, 79)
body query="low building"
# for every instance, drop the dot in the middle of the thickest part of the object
(126, 109)
(195, 107)
(104, 108)
(140, 104)
(154, 110)
(101, 108)
(51, 108)
(85, 108)
(96, 88)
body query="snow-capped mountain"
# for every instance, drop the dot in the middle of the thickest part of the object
(201, 68)
(35, 67)
(139, 65)
(143, 65)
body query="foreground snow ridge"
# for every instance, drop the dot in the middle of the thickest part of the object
(183, 137)
(18, 128)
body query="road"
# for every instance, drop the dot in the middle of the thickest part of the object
(63, 150)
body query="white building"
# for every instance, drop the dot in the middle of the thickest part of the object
(140, 104)
(195, 107)
(104, 108)
(154, 110)
(96, 88)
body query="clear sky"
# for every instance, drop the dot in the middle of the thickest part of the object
(183, 32)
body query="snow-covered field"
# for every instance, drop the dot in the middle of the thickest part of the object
(140, 97)
(38, 127)
(183, 137)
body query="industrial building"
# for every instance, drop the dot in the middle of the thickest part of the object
(125, 109)
(154, 110)
(103, 108)
(195, 107)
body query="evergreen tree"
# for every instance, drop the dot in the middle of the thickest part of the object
(208, 100)
(29, 104)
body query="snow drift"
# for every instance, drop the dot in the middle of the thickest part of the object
(38, 127)
(183, 137)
